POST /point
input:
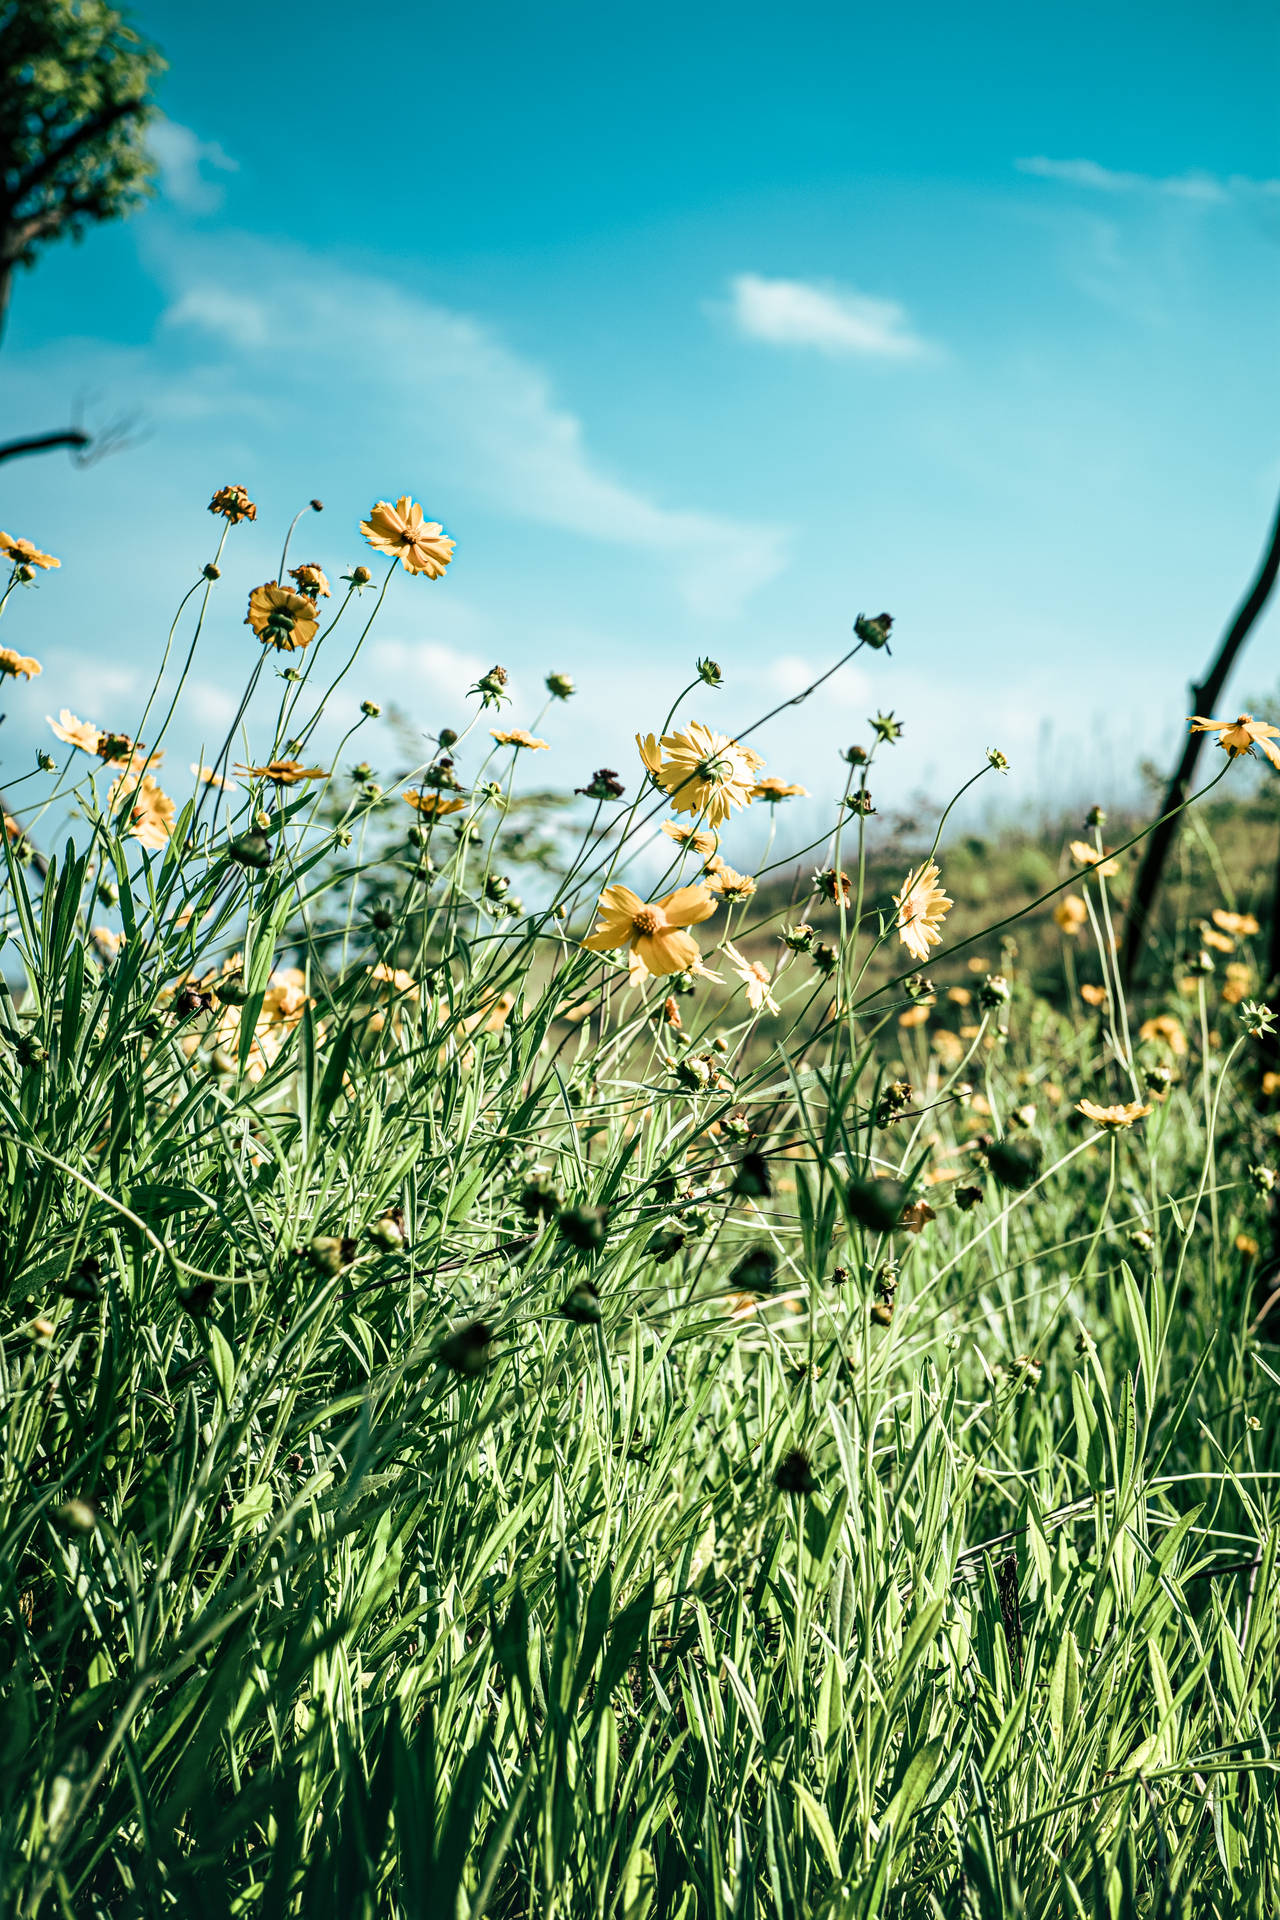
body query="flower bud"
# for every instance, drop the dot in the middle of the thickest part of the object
(709, 672)
(212, 572)
(560, 686)
(874, 632)
(794, 1474)
(370, 709)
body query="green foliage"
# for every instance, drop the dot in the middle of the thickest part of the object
(75, 82)
(484, 1435)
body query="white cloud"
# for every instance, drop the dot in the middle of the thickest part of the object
(1204, 189)
(836, 320)
(377, 361)
(183, 158)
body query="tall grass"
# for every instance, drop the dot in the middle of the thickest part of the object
(488, 1433)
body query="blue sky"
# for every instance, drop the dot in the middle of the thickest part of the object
(702, 329)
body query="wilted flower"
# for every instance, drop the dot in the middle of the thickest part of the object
(755, 979)
(1112, 1118)
(421, 546)
(922, 906)
(234, 504)
(1242, 735)
(994, 992)
(285, 773)
(704, 772)
(518, 737)
(968, 1197)
(13, 665)
(917, 1216)
(654, 931)
(834, 885)
(772, 789)
(311, 580)
(151, 812)
(281, 618)
(604, 784)
(799, 938)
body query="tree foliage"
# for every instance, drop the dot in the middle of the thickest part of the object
(74, 107)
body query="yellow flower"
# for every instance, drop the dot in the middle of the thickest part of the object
(1241, 735)
(1220, 942)
(1243, 925)
(234, 504)
(690, 839)
(1113, 1117)
(729, 885)
(12, 663)
(421, 546)
(772, 789)
(311, 580)
(394, 977)
(285, 773)
(1071, 914)
(210, 777)
(654, 931)
(433, 804)
(755, 978)
(76, 733)
(24, 553)
(151, 812)
(281, 618)
(704, 772)
(922, 906)
(1086, 856)
(914, 1016)
(517, 737)
(1093, 996)
(1163, 1026)
(1236, 984)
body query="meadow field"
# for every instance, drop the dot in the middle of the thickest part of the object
(533, 1390)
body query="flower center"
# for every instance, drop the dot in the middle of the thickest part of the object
(648, 920)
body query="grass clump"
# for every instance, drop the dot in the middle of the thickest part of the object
(641, 1403)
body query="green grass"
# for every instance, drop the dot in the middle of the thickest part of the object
(466, 1452)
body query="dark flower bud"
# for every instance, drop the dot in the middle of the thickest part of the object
(316, 506)
(1015, 1164)
(756, 1271)
(875, 1204)
(329, 1253)
(581, 1304)
(198, 1299)
(856, 756)
(540, 1198)
(585, 1227)
(212, 572)
(994, 992)
(968, 1197)
(252, 849)
(794, 1474)
(466, 1351)
(665, 1244)
(604, 784)
(752, 1181)
(560, 686)
(874, 631)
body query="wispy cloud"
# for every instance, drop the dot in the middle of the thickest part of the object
(185, 162)
(835, 320)
(1204, 189)
(414, 375)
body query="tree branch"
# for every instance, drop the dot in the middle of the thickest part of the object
(44, 442)
(88, 131)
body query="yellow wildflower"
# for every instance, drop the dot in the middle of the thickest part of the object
(755, 978)
(421, 546)
(704, 772)
(15, 664)
(655, 930)
(1241, 735)
(922, 906)
(1113, 1117)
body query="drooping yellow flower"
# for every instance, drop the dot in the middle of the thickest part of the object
(772, 789)
(282, 618)
(14, 664)
(691, 839)
(434, 803)
(1071, 914)
(24, 553)
(421, 546)
(311, 580)
(1241, 735)
(704, 772)
(922, 907)
(730, 885)
(1113, 1117)
(234, 504)
(655, 931)
(81, 734)
(755, 978)
(1163, 1027)
(285, 773)
(517, 737)
(151, 812)
(1243, 925)
(1086, 856)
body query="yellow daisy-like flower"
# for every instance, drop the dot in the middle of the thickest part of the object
(1243, 925)
(1071, 914)
(772, 789)
(1093, 996)
(433, 804)
(420, 545)
(922, 906)
(1113, 1117)
(691, 839)
(14, 664)
(394, 977)
(517, 737)
(1163, 1027)
(151, 813)
(285, 773)
(1241, 735)
(654, 931)
(25, 553)
(81, 734)
(704, 772)
(1220, 942)
(1086, 856)
(727, 883)
(755, 978)
(1237, 982)
(210, 777)
(282, 618)
(312, 581)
